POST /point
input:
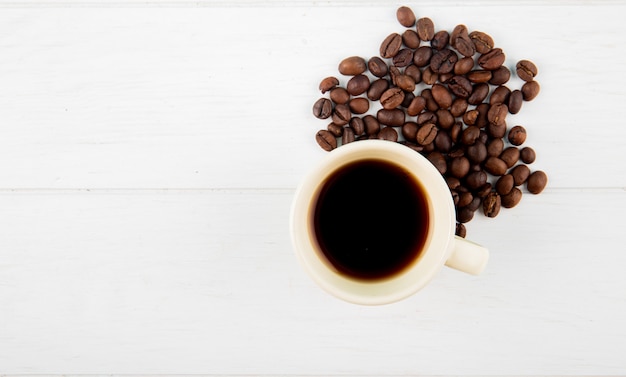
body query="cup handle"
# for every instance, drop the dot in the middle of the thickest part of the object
(468, 256)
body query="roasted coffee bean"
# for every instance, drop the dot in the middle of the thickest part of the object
(460, 230)
(459, 167)
(394, 72)
(405, 16)
(341, 115)
(409, 130)
(483, 43)
(496, 131)
(520, 174)
(377, 88)
(358, 85)
(445, 119)
(391, 45)
(460, 86)
(439, 161)
(526, 70)
(517, 135)
(414, 72)
(443, 61)
(483, 190)
(500, 95)
(445, 77)
(335, 129)
(464, 215)
(426, 134)
(403, 58)
(358, 126)
(418, 104)
(405, 82)
(491, 60)
(452, 182)
(394, 117)
(527, 154)
(348, 136)
(456, 152)
(470, 117)
(505, 184)
(440, 40)
(469, 135)
(359, 105)
(328, 83)
(371, 125)
(465, 198)
(326, 140)
(354, 65)
(429, 147)
(408, 98)
(392, 98)
(443, 142)
(483, 110)
(377, 66)
(510, 156)
(459, 106)
(463, 66)
(475, 204)
(322, 108)
(495, 147)
(491, 204)
(536, 182)
(427, 117)
(388, 133)
(429, 77)
(477, 152)
(512, 199)
(425, 29)
(495, 166)
(500, 76)
(476, 179)
(479, 93)
(339, 96)
(515, 101)
(497, 114)
(431, 104)
(442, 96)
(530, 90)
(455, 131)
(410, 39)
(483, 137)
(478, 76)
(455, 198)
(422, 56)
(460, 40)
(412, 145)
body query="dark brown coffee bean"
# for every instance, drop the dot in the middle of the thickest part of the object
(477, 152)
(377, 66)
(460, 230)
(394, 72)
(440, 40)
(438, 160)
(392, 98)
(455, 198)
(463, 66)
(429, 77)
(500, 76)
(443, 61)
(442, 96)
(536, 182)
(475, 204)
(445, 77)
(459, 167)
(341, 115)
(495, 166)
(479, 75)
(445, 119)
(460, 86)
(339, 96)
(464, 215)
(483, 190)
(496, 131)
(443, 142)
(483, 111)
(515, 101)
(335, 129)
(460, 40)
(421, 56)
(348, 136)
(358, 85)
(456, 151)
(426, 134)
(465, 198)
(418, 104)
(483, 138)
(425, 29)
(371, 125)
(427, 117)
(388, 133)
(409, 130)
(526, 70)
(452, 182)
(391, 45)
(505, 184)
(322, 108)
(410, 39)
(470, 117)
(530, 90)
(358, 126)
(431, 104)
(459, 106)
(429, 148)
(377, 88)
(520, 174)
(328, 83)
(405, 82)
(491, 204)
(500, 95)
(394, 117)
(405, 16)
(354, 65)
(403, 58)
(491, 60)
(476, 179)
(482, 42)
(414, 72)
(510, 156)
(512, 199)
(469, 135)
(517, 135)
(455, 131)
(497, 114)
(527, 154)
(326, 140)
(359, 105)
(411, 145)
(408, 98)
(495, 147)
(479, 93)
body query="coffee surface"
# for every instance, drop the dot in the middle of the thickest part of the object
(371, 219)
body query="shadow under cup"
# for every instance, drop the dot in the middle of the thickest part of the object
(415, 267)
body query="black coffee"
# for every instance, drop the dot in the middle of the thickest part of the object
(371, 219)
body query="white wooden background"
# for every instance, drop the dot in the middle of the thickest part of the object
(149, 152)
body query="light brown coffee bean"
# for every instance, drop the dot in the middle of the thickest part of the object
(359, 105)
(328, 83)
(391, 45)
(426, 134)
(520, 174)
(482, 41)
(354, 65)
(510, 156)
(492, 204)
(392, 98)
(505, 184)
(495, 166)
(405, 16)
(517, 135)
(512, 199)
(339, 95)
(530, 90)
(326, 140)
(536, 182)
(526, 70)
(527, 154)
(425, 29)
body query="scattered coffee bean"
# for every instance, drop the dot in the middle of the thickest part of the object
(459, 105)
(429, 77)
(354, 65)
(483, 43)
(497, 114)
(442, 96)
(510, 156)
(515, 101)
(357, 125)
(418, 104)
(460, 40)
(403, 58)
(505, 184)
(425, 29)
(526, 70)
(469, 135)
(464, 215)
(394, 118)
(410, 39)
(388, 133)
(414, 72)
(443, 61)
(517, 135)
(391, 45)
(536, 182)
(438, 160)
(371, 125)
(326, 140)
(405, 16)
(500, 95)
(500, 76)
(478, 76)
(376, 89)
(463, 65)
(443, 142)
(491, 204)
(445, 119)
(477, 152)
(520, 174)
(359, 105)
(377, 66)
(335, 129)
(530, 90)
(460, 86)
(440, 40)
(491, 60)
(328, 83)
(479, 93)
(358, 85)
(339, 96)
(322, 108)
(392, 98)
(341, 115)
(421, 56)
(459, 167)
(426, 134)
(476, 179)
(460, 230)
(512, 199)
(495, 166)
(405, 82)
(527, 154)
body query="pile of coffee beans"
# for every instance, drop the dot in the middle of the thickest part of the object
(442, 94)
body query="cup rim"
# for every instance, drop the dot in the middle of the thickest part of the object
(440, 236)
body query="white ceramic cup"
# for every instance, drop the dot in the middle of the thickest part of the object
(441, 247)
